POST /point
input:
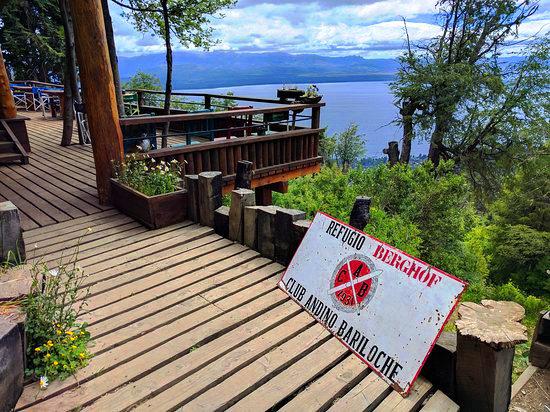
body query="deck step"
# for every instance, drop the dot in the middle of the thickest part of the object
(7, 147)
(11, 157)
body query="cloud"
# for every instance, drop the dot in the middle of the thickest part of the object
(371, 28)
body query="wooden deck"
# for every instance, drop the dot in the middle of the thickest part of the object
(180, 317)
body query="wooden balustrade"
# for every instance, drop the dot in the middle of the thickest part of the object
(275, 158)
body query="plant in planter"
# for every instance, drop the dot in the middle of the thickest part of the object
(311, 95)
(56, 342)
(149, 191)
(289, 92)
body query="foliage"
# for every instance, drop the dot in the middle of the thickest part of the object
(350, 147)
(311, 92)
(473, 107)
(327, 147)
(56, 343)
(32, 39)
(142, 80)
(146, 176)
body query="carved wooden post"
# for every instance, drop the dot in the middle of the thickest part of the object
(360, 214)
(487, 335)
(266, 231)
(12, 246)
(264, 196)
(315, 117)
(243, 178)
(192, 187)
(7, 104)
(98, 90)
(240, 198)
(393, 152)
(210, 196)
(140, 101)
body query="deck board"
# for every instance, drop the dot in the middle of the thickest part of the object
(180, 317)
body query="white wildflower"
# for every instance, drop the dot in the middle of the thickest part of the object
(44, 382)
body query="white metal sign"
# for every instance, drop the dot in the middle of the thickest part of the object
(383, 304)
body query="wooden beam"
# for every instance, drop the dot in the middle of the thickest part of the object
(98, 90)
(7, 104)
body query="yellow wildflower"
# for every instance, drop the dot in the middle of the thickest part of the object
(73, 346)
(47, 355)
(50, 343)
(38, 349)
(72, 338)
(58, 332)
(55, 363)
(82, 332)
(69, 332)
(82, 355)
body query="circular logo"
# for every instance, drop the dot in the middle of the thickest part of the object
(353, 283)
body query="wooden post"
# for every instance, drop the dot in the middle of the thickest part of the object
(266, 231)
(7, 104)
(487, 335)
(315, 117)
(192, 187)
(210, 196)
(221, 221)
(539, 355)
(284, 219)
(360, 214)
(207, 101)
(140, 100)
(98, 90)
(264, 196)
(12, 246)
(393, 152)
(240, 198)
(243, 178)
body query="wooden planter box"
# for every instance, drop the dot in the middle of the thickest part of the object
(153, 211)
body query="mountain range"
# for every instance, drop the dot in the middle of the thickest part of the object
(226, 68)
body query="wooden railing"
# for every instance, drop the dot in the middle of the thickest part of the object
(275, 158)
(278, 148)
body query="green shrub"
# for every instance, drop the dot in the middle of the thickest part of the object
(56, 342)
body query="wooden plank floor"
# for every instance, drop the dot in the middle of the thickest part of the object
(183, 319)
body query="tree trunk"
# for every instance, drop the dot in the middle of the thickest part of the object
(168, 86)
(69, 76)
(112, 56)
(407, 111)
(7, 104)
(98, 91)
(436, 141)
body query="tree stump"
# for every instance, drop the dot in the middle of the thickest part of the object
(487, 335)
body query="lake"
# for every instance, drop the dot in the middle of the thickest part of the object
(369, 104)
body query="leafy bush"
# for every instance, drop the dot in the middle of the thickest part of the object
(56, 342)
(148, 177)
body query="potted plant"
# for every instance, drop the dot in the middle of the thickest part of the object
(149, 191)
(289, 92)
(311, 95)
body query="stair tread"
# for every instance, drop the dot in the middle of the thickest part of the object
(6, 157)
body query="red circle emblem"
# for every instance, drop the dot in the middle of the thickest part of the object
(353, 283)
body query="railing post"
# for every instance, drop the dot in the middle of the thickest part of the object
(192, 187)
(487, 335)
(243, 178)
(140, 100)
(315, 117)
(207, 101)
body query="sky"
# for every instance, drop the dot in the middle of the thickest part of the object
(367, 28)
